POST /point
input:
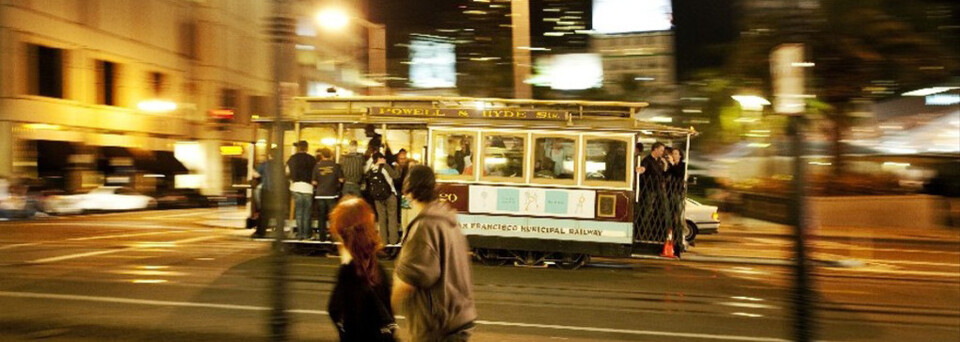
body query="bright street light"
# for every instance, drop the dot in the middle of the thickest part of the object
(157, 106)
(333, 19)
(751, 102)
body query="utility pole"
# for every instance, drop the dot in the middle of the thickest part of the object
(280, 28)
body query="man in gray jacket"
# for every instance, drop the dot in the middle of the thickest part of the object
(432, 283)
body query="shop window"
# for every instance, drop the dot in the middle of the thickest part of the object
(503, 156)
(555, 159)
(453, 154)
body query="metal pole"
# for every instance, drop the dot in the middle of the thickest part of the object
(281, 29)
(802, 294)
(686, 166)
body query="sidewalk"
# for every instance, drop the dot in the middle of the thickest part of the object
(735, 224)
(226, 217)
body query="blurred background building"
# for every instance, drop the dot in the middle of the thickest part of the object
(148, 94)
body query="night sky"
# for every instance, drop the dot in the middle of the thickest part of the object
(702, 27)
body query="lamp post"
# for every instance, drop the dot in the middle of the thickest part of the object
(280, 28)
(335, 19)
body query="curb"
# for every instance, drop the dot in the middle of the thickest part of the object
(843, 263)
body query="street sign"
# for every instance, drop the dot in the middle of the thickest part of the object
(226, 114)
(786, 68)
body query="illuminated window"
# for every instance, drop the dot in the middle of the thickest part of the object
(555, 159)
(503, 157)
(453, 154)
(606, 161)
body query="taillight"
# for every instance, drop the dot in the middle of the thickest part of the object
(715, 216)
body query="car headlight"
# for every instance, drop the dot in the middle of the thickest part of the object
(715, 216)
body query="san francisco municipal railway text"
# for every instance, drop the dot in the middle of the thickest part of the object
(531, 229)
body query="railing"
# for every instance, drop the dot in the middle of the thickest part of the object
(660, 209)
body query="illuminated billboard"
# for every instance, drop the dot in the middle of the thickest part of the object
(624, 16)
(574, 71)
(432, 62)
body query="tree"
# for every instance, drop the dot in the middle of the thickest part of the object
(861, 52)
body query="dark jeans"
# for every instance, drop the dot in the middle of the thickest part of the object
(324, 207)
(301, 211)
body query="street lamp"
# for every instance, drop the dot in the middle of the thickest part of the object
(157, 106)
(336, 19)
(333, 19)
(751, 102)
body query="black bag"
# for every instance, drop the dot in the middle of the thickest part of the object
(377, 184)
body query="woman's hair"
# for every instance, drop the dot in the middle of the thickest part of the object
(352, 222)
(421, 184)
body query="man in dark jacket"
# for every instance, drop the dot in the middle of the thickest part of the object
(432, 283)
(327, 178)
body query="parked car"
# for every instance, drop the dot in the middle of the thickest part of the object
(182, 199)
(104, 198)
(701, 219)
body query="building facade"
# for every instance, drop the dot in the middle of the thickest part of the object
(107, 91)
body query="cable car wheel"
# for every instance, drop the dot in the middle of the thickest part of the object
(570, 261)
(491, 257)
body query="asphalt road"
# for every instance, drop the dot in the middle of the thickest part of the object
(171, 276)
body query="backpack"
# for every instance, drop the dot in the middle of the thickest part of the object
(377, 184)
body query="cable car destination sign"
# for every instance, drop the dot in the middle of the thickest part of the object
(493, 113)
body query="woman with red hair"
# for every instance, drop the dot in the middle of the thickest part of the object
(360, 303)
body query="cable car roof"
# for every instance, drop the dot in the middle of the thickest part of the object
(576, 115)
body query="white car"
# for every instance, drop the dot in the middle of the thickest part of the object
(701, 219)
(105, 198)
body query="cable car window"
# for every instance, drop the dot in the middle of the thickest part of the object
(554, 158)
(453, 154)
(606, 160)
(503, 156)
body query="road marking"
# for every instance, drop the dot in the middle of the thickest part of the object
(106, 224)
(34, 295)
(906, 262)
(98, 237)
(87, 254)
(179, 215)
(19, 245)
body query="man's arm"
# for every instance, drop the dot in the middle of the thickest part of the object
(401, 292)
(391, 171)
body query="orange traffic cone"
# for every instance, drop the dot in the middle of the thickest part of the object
(668, 247)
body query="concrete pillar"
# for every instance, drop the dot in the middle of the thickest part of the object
(6, 149)
(213, 164)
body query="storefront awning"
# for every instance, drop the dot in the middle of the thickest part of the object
(168, 164)
(53, 156)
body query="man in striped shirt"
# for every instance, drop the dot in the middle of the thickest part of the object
(352, 164)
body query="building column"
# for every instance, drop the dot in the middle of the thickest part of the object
(213, 172)
(6, 149)
(522, 63)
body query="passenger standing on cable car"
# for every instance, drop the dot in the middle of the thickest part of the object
(380, 178)
(352, 164)
(300, 168)
(677, 173)
(652, 190)
(328, 178)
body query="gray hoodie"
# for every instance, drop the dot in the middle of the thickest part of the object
(435, 260)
